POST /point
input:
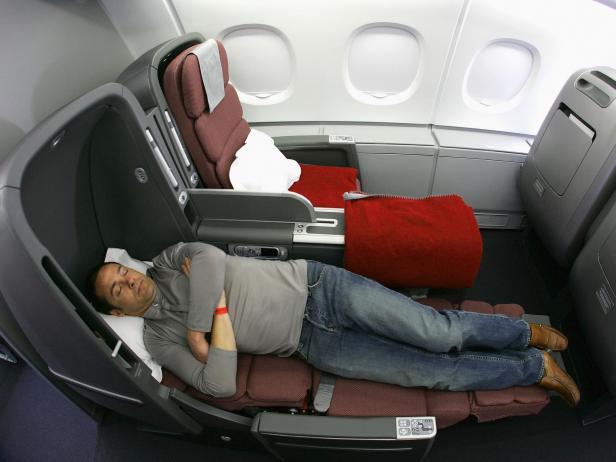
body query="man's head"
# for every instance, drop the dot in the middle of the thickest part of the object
(120, 291)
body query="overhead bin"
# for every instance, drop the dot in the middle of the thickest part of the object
(571, 168)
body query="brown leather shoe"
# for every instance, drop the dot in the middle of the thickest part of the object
(547, 337)
(554, 378)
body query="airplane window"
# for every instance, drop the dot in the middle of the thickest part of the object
(383, 62)
(498, 74)
(260, 64)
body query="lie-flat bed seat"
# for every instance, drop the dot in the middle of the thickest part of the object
(213, 137)
(273, 382)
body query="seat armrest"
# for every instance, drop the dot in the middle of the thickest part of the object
(228, 204)
(308, 437)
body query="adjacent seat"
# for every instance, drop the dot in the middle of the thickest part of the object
(570, 171)
(213, 138)
(273, 382)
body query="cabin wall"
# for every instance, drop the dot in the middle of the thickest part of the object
(54, 51)
(492, 65)
(439, 96)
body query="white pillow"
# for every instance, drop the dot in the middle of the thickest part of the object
(122, 257)
(260, 166)
(130, 330)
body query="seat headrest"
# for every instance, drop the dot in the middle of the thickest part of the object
(193, 92)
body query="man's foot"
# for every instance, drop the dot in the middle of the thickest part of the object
(546, 337)
(554, 378)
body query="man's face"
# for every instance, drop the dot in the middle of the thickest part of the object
(129, 291)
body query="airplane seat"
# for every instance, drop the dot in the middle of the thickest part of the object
(570, 171)
(213, 137)
(592, 282)
(286, 383)
(96, 174)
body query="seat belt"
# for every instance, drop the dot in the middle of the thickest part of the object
(325, 392)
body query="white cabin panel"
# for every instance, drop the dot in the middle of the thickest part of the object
(512, 58)
(54, 52)
(143, 24)
(326, 41)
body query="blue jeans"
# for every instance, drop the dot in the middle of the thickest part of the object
(354, 327)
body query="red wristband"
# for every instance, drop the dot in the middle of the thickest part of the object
(221, 310)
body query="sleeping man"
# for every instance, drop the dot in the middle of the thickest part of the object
(337, 321)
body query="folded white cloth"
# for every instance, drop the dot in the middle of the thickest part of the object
(260, 166)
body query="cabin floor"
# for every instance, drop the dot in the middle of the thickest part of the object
(38, 423)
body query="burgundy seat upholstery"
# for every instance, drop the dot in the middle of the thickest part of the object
(270, 381)
(212, 139)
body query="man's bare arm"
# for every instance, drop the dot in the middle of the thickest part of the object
(223, 336)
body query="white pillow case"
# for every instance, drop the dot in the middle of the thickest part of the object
(130, 330)
(260, 166)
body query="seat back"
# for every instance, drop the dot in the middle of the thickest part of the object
(570, 171)
(212, 137)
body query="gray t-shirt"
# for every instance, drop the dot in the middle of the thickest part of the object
(266, 301)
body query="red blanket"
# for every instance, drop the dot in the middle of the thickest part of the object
(325, 185)
(406, 242)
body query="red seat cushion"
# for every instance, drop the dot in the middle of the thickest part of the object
(324, 186)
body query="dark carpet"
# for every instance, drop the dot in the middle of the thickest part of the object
(37, 423)
(120, 440)
(553, 435)
(514, 269)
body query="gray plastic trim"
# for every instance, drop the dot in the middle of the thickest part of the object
(101, 391)
(599, 85)
(328, 427)
(209, 415)
(228, 204)
(327, 228)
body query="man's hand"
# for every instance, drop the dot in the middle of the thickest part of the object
(198, 344)
(186, 266)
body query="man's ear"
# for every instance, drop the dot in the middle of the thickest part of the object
(117, 312)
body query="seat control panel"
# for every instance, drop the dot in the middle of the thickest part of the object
(259, 251)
